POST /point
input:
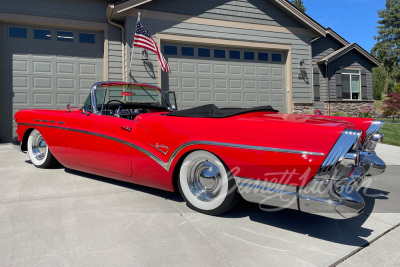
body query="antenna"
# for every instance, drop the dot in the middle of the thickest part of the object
(69, 104)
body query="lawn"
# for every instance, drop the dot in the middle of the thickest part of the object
(391, 131)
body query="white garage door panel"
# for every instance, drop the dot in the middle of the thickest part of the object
(50, 73)
(225, 82)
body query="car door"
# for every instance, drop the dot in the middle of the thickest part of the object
(100, 143)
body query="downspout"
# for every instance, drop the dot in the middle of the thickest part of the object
(327, 88)
(109, 13)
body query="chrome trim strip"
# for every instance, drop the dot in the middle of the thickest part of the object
(375, 126)
(165, 153)
(167, 165)
(344, 143)
(268, 189)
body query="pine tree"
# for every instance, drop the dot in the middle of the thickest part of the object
(299, 4)
(387, 48)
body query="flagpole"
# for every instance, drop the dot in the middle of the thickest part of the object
(130, 61)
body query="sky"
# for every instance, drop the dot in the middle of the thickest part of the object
(354, 20)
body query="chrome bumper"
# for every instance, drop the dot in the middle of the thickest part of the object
(16, 144)
(336, 199)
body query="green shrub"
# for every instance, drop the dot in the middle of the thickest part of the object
(396, 89)
(340, 114)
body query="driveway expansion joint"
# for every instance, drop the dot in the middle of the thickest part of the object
(364, 246)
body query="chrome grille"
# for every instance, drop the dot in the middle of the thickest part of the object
(347, 140)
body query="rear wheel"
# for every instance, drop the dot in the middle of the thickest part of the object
(39, 152)
(206, 185)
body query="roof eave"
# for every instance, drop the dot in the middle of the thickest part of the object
(304, 18)
(335, 55)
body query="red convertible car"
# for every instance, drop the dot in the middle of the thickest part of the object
(213, 156)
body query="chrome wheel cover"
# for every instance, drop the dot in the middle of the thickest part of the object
(204, 179)
(39, 147)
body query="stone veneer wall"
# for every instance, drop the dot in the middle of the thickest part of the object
(349, 107)
(303, 108)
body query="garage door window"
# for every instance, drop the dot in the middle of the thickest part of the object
(263, 56)
(187, 51)
(204, 52)
(87, 38)
(249, 55)
(170, 50)
(276, 57)
(218, 53)
(42, 34)
(17, 32)
(65, 36)
(234, 54)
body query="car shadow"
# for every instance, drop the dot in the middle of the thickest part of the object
(145, 189)
(56, 166)
(347, 231)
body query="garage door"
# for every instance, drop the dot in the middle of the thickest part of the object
(227, 77)
(46, 68)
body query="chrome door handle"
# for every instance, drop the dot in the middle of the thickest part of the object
(126, 128)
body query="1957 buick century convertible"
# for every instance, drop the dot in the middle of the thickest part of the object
(213, 156)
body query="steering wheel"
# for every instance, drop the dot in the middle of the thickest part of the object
(121, 104)
(117, 109)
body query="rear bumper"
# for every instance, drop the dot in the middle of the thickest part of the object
(338, 199)
(16, 144)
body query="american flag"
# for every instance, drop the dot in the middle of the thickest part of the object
(144, 40)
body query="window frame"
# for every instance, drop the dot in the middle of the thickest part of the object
(350, 74)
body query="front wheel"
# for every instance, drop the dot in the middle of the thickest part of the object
(206, 184)
(39, 152)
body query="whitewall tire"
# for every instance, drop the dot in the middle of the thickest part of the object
(206, 184)
(39, 152)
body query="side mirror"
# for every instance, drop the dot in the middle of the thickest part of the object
(84, 111)
(172, 99)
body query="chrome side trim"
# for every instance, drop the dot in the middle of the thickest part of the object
(167, 165)
(344, 143)
(165, 153)
(267, 193)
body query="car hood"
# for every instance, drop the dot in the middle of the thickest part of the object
(295, 118)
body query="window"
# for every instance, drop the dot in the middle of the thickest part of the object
(42, 34)
(234, 54)
(249, 55)
(263, 56)
(203, 52)
(87, 38)
(187, 51)
(65, 36)
(351, 86)
(17, 32)
(170, 50)
(218, 53)
(276, 57)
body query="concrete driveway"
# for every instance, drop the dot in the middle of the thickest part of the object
(64, 217)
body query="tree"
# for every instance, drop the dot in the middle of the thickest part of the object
(387, 48)
(391, 106)
(299, 4)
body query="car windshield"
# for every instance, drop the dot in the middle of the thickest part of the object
(131, 95)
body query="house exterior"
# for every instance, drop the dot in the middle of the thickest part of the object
(342, 75)
(232, 53)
